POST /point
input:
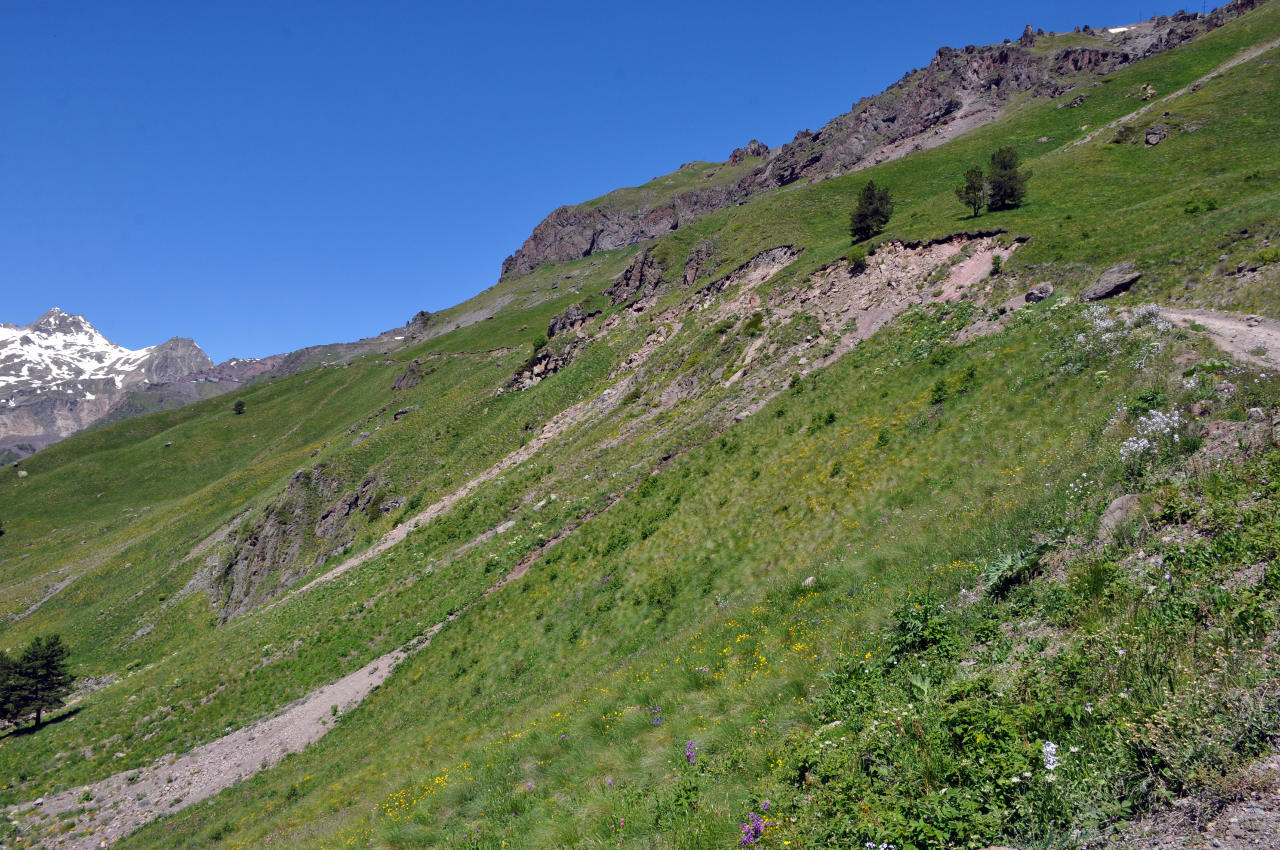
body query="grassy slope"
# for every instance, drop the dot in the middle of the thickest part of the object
(515, 660)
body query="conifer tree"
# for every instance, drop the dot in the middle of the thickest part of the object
(1007, 184)
(11, 698)
(875, 206)
(37, 680)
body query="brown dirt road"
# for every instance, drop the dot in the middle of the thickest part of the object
(1249, 338)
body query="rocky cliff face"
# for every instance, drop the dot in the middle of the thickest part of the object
(59, 375)
(959, 90)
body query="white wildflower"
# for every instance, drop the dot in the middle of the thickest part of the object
(1050, 756)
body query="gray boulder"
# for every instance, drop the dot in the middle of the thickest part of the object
(1039, 293)
(1112, 282)
(1118, 512)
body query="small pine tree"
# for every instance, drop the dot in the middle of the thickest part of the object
(875, 206)
(238, 407)
(1007, 184)
(47, 680)
(973, 194)
(37, 680)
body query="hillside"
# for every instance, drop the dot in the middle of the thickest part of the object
(721, 536)
(960, 90)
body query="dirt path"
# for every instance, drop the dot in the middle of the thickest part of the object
(1250, 338)
(1239, 59)
(122, 803)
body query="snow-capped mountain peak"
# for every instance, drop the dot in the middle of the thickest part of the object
(59, 347)
(59, 374)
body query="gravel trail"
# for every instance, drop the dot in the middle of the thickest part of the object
(1250, 338)
(126, 801)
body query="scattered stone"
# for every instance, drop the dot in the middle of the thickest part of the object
(169, 444)
(1120, 509)
(1113, 281)
(1039, 293)
(809, 582)
(22, 473)
(1156, 134)
(364, 435)
(1256, 414)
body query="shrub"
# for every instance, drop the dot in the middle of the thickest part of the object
(857, 261)
(973, 192)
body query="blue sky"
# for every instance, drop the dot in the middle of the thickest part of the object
(265, 176)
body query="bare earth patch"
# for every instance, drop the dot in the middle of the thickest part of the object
(1250, 338)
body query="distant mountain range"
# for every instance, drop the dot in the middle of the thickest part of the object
(60, 375)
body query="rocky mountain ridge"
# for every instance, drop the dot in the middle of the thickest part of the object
(959, 90)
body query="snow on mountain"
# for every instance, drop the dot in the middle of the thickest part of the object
(59, 375)
(59, 347)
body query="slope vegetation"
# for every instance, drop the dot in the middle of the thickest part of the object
(717, 520)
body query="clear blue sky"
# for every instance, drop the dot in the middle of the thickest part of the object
(265, 176)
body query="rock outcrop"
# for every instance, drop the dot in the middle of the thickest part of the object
(275, 547)
(570, 320)
(409, 378)
(753, 148)
(642, 278)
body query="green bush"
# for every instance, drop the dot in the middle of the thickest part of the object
(857, 259)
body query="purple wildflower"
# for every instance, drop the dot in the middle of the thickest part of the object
(691, 752)
(753, 829)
